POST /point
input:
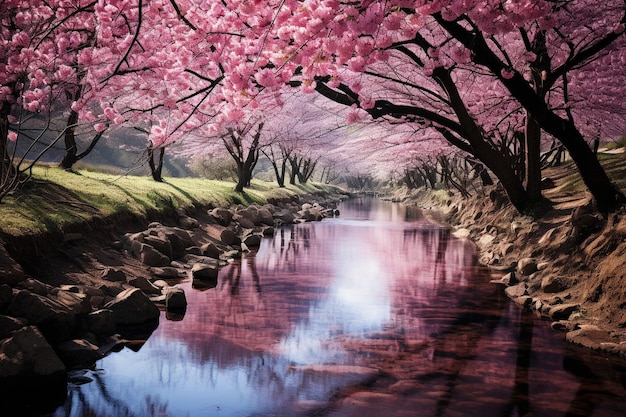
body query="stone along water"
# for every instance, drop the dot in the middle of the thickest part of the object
(376, 313)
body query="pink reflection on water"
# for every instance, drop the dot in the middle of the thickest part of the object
(375, 313)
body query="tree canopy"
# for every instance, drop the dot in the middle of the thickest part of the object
(488, 78)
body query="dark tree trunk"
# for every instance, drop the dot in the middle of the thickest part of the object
(606, 196)
(533, 159)
(7, 170)
(155, 161)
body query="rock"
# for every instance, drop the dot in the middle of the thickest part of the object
(101, 322)
(515, 291)
(52, 318)
(516, 226)
(563, 311)
(6, 295)
(485, 240)
(11, 272)
(114, 275)
(144, 285)
(131, 306)
(211, 250)
(165, 272)
(284, 216)
(159, 283)
(524, 301)
(527, 266)
(194, 250)
(78, 353)
(222, 216)
(27, 354)
(179, 240)
(561, 326)
(188, 223)
(175, 299)
(268, 231)
(245, 223)
(252, 241)
(265, 217)
(205, 271)
(588, 337)
(510, 279)
(229, 237)
(161, 244)
(8, 325)
(35, 286)
(553, 284)
(152, 257)
(111, 290)
(77, 303)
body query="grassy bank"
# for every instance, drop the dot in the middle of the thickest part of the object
(55, 199)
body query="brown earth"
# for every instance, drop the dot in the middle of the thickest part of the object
(568, 265)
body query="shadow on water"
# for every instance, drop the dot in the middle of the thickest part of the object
(377, 313)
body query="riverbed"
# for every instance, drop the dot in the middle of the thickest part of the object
(378, 312)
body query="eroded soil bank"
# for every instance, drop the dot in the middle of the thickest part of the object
(567, 265)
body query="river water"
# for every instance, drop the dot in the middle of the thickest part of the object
(376, 313)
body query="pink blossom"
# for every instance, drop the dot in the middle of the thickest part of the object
(12, 136)
(507, 73)
(100, 127)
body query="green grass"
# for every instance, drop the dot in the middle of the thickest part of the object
(614, 165)
(55, 199)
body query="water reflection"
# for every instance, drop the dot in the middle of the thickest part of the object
(377, 313)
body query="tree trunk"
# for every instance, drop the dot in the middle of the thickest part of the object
(606, 196)
(533, 159)
(69, 157)
(9, 174)
(487, 154)
(156, 167)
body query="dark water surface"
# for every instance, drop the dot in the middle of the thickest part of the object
(375, 313)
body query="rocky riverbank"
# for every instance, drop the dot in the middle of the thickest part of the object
(98, 291)
(566, 265)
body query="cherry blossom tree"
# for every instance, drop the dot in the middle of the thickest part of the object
(39, 43)
(476, 62)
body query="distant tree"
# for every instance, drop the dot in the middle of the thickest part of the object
(243, 145)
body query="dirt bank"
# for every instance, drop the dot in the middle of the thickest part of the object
(567, 265)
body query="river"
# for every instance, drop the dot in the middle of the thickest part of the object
(378, 312)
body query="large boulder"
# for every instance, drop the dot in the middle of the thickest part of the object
(8, 325)
(131, 306)
(101, 322)
(78, 353)
(54, 320)
(160, 243)
(27, 354)
(152, 257)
